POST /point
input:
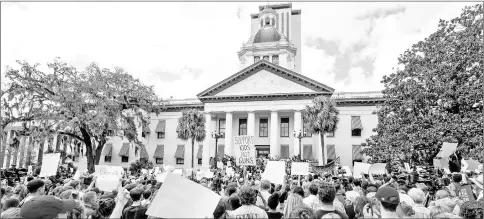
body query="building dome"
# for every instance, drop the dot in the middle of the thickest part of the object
(267, 34)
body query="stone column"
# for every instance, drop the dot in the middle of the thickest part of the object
(228, 134)
(297, 127)
(206, 142)
(5, 149)
(22, 146)
(251, 123)
(274, 134)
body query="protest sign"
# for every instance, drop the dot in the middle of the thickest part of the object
(144, 171)
(360, 168)
(177, 191)
(244, 150)
(102, 170)
(437, 163)
(161, 177)
(209, 174)
(275, 172)
(472, 165)
(299, 168)
(178, 172)
(230, 172)
(50, 163)
(157, 169)
(465, 193)
(107, 183)
(188, 172)
(378, 168)
(448, 149)
(220, 165)
(348, 170)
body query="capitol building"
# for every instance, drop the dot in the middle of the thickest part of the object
(264, 99)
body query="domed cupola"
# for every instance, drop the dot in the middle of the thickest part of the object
(268, 32)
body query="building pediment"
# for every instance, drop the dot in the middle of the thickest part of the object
(265, 80)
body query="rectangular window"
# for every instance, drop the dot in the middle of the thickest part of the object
(263, 127)
(180, 161)
(110, 133)
(242, 126)
(356, 132)
(284, 127)
(107, 159)
(160, 135)
(266, 58)
(275, 59)
(159, 160)
(221, 127)
(200, 161)
(330, 134)
(307, 131)
(124, 159)
(256, 59)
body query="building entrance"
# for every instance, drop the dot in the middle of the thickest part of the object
(262, 150)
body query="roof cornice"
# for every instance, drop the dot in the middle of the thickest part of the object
(263, 97)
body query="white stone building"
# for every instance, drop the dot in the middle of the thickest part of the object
(264, 99)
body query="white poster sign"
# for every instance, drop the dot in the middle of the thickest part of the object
(178, 172)
(378, 168)
(275, 172)
(299, 168)
(161, 177)
(244, 150)
(177, 191)
(209, 174)
(448, 149)
(348, 170)
(102, 170)
(50, 163)
(107, 183)
(360, 168)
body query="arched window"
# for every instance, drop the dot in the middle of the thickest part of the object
(275, 59)
(256, 59)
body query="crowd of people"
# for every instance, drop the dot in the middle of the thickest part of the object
(332, 195)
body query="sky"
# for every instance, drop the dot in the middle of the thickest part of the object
(183, 48)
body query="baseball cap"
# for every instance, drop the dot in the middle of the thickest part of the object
(388, 195)
(46, 206)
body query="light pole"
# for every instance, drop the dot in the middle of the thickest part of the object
(299, 134)
(216, 135)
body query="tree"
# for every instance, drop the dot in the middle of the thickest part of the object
(435, 95)
(83, 105)
(321, 117)
(191, 126)
(136, 166)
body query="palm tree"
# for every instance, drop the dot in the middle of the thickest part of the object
(321, 118)
(191, 126)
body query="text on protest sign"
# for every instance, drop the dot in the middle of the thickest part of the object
(103, 170)
(245, 150)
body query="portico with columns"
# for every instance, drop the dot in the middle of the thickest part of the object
(265, 101)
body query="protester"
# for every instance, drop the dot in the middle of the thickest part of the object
(312, 196)
(248, 209)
